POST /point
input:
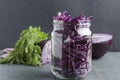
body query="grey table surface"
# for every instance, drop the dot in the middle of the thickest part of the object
(105, 68)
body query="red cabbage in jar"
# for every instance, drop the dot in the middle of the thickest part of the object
(71, 46)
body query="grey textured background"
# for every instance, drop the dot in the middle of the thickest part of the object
(16, 15)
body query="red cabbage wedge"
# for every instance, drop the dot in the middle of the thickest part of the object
(101, 43)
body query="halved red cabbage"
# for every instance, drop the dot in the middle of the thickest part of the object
(101, 43)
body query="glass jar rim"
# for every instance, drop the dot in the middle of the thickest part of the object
(84, 21)
(58, 22)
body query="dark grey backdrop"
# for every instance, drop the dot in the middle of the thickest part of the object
(16, 15)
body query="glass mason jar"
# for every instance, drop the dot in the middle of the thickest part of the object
(71, 49)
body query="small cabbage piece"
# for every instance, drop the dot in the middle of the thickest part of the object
(46, 53)
(5, 52)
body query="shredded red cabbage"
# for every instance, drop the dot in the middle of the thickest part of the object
(63, 16)
(75, 48)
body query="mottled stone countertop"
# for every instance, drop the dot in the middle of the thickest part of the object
(105, 68)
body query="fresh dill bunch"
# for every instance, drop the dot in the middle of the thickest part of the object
(27, 51)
